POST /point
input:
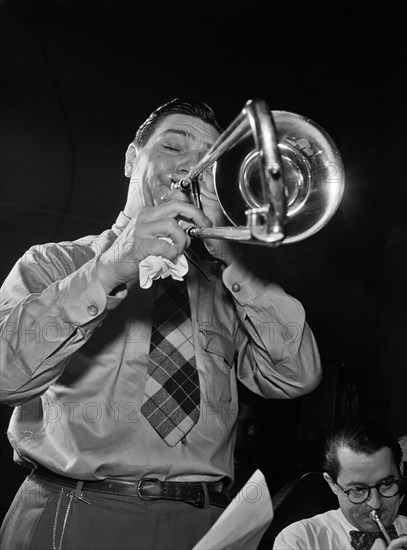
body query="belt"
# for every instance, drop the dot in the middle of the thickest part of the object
(197, 493)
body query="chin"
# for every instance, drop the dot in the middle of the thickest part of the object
(366, 524)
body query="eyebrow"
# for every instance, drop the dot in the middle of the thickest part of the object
(360, 483)
(183, 133)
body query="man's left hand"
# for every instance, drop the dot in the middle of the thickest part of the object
(222, 249)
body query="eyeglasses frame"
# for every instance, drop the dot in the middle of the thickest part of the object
(398, 482)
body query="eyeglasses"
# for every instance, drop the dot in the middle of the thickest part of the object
(387, 488)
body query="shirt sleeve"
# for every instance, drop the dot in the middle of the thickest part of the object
(277, 352)
(289, 539)
(302, 535)
(48, 309)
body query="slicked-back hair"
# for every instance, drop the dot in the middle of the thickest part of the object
(361, 436)
(197, 109)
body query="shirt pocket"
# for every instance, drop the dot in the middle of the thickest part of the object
(219, 354)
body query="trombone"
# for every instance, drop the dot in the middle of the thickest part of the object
(278, 177)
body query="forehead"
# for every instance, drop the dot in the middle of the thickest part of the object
(191, 127)
(362, 468)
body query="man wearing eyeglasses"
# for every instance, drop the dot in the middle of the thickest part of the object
(363, 467)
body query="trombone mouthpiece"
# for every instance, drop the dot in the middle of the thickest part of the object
(182, 185)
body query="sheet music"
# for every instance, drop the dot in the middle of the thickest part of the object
(244, 521)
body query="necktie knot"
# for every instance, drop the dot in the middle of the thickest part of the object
(364, 541)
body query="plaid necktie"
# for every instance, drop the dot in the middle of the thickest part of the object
(364, 541)
(172, 396)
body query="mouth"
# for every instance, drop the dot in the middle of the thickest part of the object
(162, 191)
(166, 194)
(184, 185)
(166, 188)
(377, 518)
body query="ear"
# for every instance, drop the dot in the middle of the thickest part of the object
(131, 154)
(404, 482)
(331, 483)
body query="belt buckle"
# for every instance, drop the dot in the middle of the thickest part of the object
(139, 486)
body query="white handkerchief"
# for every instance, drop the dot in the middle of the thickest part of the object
(155, 267)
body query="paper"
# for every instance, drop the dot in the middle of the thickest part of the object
(156, 267)
(245, 520)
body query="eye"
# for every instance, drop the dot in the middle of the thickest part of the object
(359, 490)
(171, 148)
(388, 483)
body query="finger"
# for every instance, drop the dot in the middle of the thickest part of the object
(175, 209)
(168, 228)
(176, 194)
(161, 247)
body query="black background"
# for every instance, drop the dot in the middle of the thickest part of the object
(76, 80)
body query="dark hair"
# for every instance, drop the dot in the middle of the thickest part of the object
(198, 109)
(361, 436)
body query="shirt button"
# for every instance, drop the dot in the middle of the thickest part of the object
(236, 287)
(93, 310)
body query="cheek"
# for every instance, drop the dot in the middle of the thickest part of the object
(351, 511)
(360, 515)
(392, 506)
(150, 167)
(208, 182)
(162, 165)
(149, 180)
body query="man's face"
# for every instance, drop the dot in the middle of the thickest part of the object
(177, 144)
(360, 470)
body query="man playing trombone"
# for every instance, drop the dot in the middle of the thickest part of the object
(124, 385)
(364, 469)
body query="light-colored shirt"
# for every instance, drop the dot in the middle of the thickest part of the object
(328, 531)
(74, 363)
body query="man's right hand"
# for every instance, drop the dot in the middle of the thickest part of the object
(120, 263)
(398, 543)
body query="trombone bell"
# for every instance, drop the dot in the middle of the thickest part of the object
(278, 177)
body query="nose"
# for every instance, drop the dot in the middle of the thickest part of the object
(188, 161)
(375, 499)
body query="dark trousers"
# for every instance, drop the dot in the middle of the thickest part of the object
(47, 516)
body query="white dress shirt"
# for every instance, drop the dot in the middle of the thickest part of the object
(328, 531)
